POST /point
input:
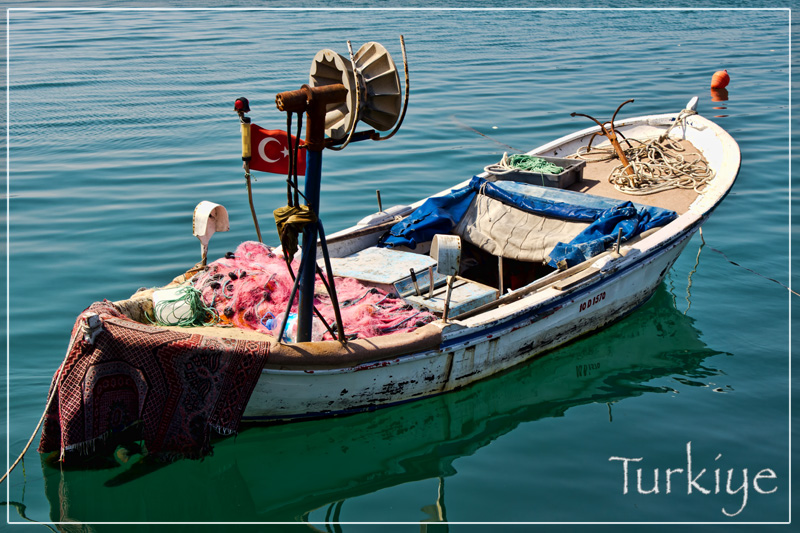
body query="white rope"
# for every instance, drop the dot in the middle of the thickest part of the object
(658, 165)
(501, 168)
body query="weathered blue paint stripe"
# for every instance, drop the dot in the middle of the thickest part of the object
(542, 311)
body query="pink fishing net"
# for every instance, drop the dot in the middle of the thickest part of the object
(251, 287)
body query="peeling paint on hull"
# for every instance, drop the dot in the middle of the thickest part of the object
(496, 339)
(287, 395)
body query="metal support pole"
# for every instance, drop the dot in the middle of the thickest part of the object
(308, 273)
(500, 274)
(446, 310)
(331, 285)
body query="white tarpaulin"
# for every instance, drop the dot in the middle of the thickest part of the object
(500, 229)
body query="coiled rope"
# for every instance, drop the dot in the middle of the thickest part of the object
(192, 298)
(658, 164)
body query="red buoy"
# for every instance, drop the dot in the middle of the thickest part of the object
(720, 79)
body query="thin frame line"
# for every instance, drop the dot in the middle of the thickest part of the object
(8, 261)
(422, 9)
(325, 9)
(790, 266)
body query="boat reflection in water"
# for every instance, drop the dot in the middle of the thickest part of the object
(286, 472)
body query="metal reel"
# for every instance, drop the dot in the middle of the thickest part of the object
(374, 95)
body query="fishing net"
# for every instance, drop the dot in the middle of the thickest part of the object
(524, 162)
(250, 289)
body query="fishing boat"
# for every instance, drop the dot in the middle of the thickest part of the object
(428, 298)
(391, 447)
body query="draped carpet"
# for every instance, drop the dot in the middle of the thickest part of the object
(177, 387)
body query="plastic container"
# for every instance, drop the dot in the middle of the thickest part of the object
(573, 171)
(290, 333)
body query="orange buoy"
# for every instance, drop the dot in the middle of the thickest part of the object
(720, 79)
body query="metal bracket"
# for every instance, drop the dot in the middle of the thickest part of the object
(92, 326)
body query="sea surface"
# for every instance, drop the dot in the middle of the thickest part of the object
(120, 122)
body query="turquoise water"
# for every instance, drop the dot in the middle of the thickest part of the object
(121, 122)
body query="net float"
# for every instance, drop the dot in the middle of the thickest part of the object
(720, 79)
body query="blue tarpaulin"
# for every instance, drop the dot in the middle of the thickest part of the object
(604, 215)
(603, 231)
(436, 215)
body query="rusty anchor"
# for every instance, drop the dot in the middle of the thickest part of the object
(611, 134)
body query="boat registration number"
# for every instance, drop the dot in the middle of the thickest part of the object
(592, 301)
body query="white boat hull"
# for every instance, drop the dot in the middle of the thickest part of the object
(492, 341)
(486, 350)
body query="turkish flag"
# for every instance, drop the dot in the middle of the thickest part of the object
(269, 151)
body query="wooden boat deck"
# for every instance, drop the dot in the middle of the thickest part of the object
(595, 181)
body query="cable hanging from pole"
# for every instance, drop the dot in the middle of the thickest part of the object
(296, 156)
(292, 161)
(405, 98)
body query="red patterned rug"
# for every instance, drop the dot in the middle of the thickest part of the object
(176, 386)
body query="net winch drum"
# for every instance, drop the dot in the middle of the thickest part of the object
(446, 250)
(373, 88)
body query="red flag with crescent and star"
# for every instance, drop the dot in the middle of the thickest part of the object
(269, 151)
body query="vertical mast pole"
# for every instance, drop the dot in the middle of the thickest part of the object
(314, 102)
(305, 309)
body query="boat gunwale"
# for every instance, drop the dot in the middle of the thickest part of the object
(455, 334)
(497, 327)
(662, 240)
(655, 120)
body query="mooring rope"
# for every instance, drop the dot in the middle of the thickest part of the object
(658, 164)
(56, 382)
(470, 128)
(20, 507)
(734, 263)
